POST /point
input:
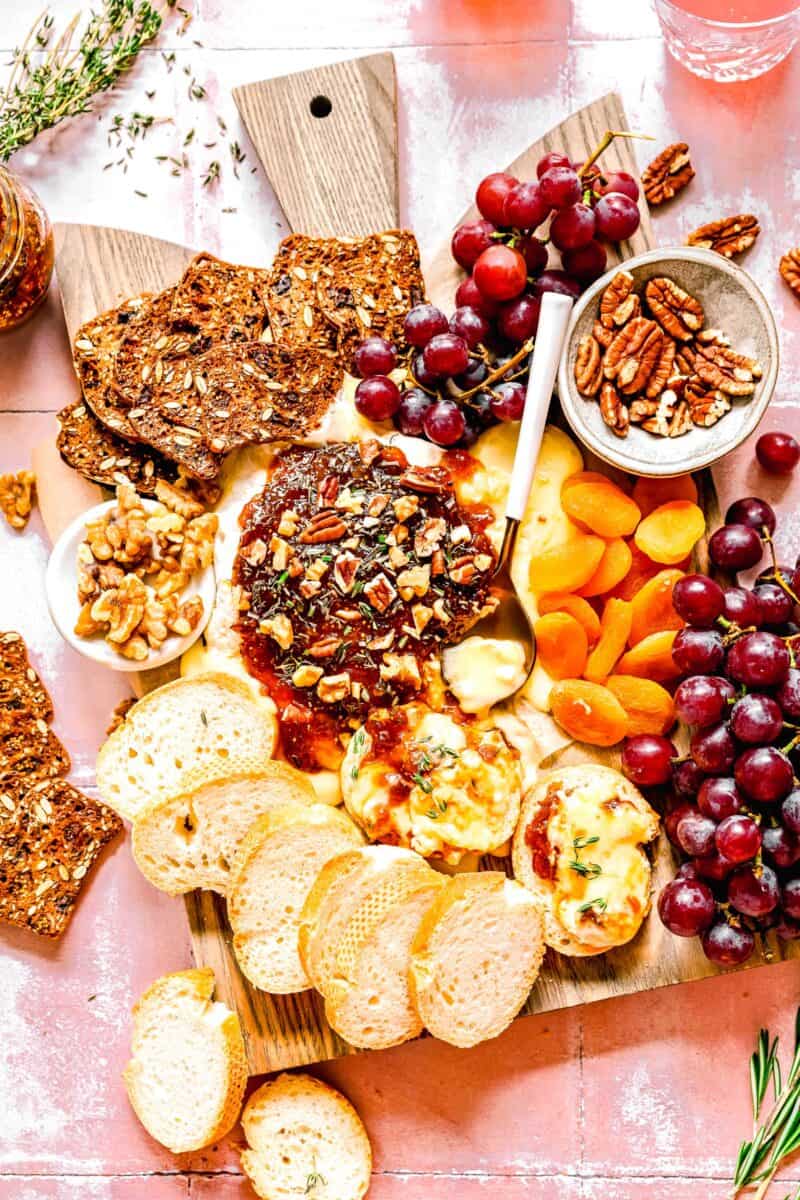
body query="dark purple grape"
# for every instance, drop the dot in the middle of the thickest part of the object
(491, 195)
(518, 320)
(423, 322)
(508, 401)
(444, 423)
(587, 263)
(673, 817)
(525, 206)
(698, 651)
(534, 251)
(686, 907)
(738, 838)
(735, 547)
(741, 606)
(422, 375)
(756, 719)
(790, 898)
(687, 870)
(787, 929)
(777, 605)
(469, 295)
(647, 759)
(728, 945)
(469, 242)
(375, 356)
(687, 779)
(556, 281)
(617, 216)
(446, 354)
(751, 511)
(560, 187)
(410, 415)
(714, 867)
(572, 227)
(377, 398)
(780, 846)
(713, 749)
(790, 811)
(758, 659)
(474, 375)
(764, 773)
(719, 798)
(778, 453)
(472, 430)
(698, 599)
(754, 891)
(703, 699)
(552, 159)
(695, 835)
(469, 324)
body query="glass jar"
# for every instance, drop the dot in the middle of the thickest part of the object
(26, 252)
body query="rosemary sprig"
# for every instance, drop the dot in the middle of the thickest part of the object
(778, 1135)
(44, 90)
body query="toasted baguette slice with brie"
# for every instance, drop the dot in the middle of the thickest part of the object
(182, 735)
(304, 1138)
(368, 999)
(190, 841)
(279, 858)
(475, 957)
(187, 1074)
(579, 848)
(343, 885)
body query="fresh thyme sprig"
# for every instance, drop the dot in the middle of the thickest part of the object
(47, 85)
(778, 1135)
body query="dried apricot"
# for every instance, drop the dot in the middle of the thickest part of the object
(615, 626)
(614, 566)
(601, 507)
(567, 567)
(652, 493)
(588, 712)
(641, 570)
(583, 477)
(652, 606)
(670, 532)
(561, 645)
(578, 608)
(648, 706)
(651, 658)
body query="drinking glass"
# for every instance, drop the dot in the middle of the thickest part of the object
(729, 40)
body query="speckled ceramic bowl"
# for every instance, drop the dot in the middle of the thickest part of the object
(732, 302)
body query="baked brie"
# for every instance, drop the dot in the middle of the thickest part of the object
(579, 847)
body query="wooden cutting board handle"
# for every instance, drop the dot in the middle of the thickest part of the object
(327, 139)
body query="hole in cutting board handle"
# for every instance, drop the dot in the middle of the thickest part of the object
(320, 106)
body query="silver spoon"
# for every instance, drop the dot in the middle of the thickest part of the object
(510, 621)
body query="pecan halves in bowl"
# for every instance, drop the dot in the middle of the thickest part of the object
(728, 236)
(588, 366)
(614, 309)
(707, 404)
(720, 367)
(634, 355)
(667, 174)
(789, 268)
(678, 313)
(614, 412)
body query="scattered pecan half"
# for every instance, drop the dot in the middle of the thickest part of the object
(614, 412)
(722, 368)
(667, 174)
(326, 526)
(678, 313)
(614, 297)
(790, 269)
(588, 366)
(728, 236)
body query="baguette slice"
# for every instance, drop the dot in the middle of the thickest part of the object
(190, 841)
(184, 734)
(475, 957)
(342, 885)
(188, 1071)
(304, 1138)
(279, 858)
(368, 1000)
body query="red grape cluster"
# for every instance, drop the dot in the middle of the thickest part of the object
(733, 805)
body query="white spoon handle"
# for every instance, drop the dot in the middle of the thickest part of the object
(553, 321)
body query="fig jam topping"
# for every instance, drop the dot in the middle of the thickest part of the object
(356, 568)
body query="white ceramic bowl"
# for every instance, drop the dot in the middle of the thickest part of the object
(731, 301)
(61, 587)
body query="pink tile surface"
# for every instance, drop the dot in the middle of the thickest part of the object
(641, 1097)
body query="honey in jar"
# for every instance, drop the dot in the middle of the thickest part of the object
(26, 252)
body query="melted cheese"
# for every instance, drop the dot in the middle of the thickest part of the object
(622, 885)
(466, 803)
(482, 671)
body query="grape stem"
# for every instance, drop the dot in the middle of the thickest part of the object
(605, 142)
(498, 372)
(781, 582)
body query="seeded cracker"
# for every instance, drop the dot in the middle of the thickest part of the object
(50, 835)
(224, 300)
(20, 686)
(28, 750)
(330, 292)
(96, 343)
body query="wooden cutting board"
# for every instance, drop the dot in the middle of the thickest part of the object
(309, 159)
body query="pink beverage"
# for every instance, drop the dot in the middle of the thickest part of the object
(736, 12)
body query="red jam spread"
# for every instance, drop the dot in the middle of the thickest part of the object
(356, 568)
(536, 838)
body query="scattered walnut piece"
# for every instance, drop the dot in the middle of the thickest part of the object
(789, 267)
(728, 236)
(120, 713)
(333, 688)
(668, 173)
(17, 494)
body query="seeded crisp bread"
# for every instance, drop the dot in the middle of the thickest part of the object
(50, 835)
(28, 750)
(20, 686)
(93, 353)
(225, 301)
